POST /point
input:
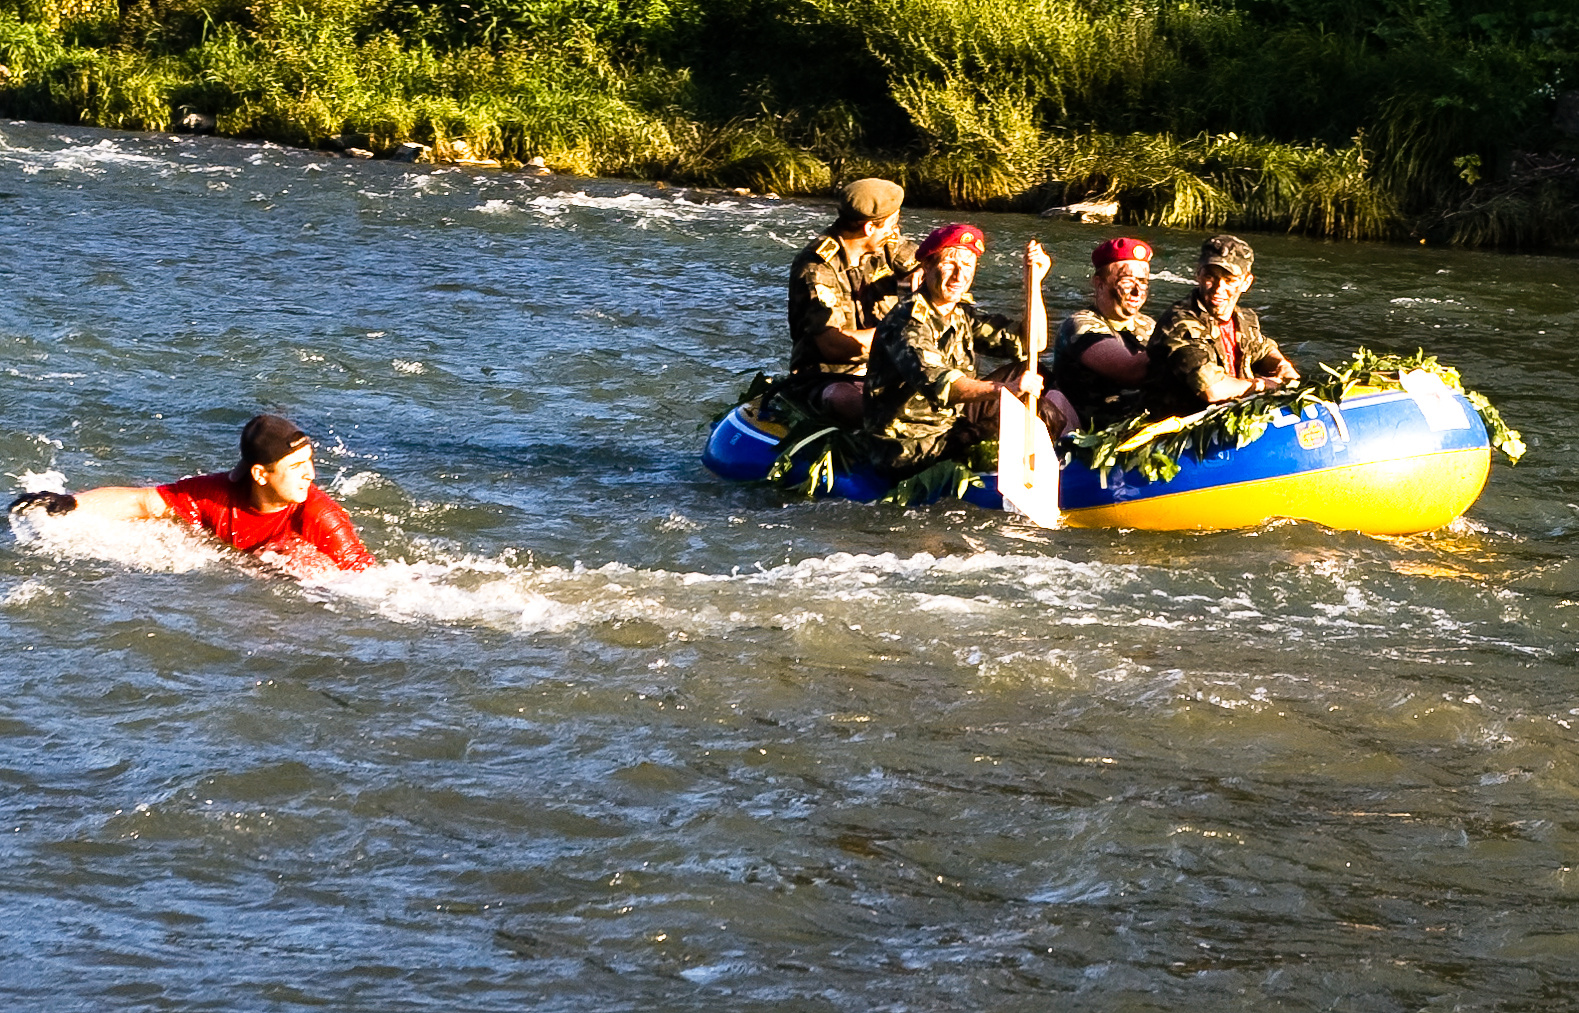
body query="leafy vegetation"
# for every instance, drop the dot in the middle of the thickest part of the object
(1152, 449)
(811, 451)
(1449, 120)
(945, 478)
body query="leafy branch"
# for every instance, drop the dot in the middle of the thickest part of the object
(945, 478)
(1153, 448)
(827, 449)
(808, 435)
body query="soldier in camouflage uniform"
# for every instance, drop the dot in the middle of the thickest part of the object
(1099, 357)
(840, 287)
(1207, 348)
(922, 375)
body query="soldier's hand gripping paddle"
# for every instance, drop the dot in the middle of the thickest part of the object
(1027, 462)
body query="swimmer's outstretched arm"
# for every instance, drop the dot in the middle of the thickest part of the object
(110, 503)
(123, 503)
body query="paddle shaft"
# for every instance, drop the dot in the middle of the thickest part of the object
(1035, 343)
(1027, 463)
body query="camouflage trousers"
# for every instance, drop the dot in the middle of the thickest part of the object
(978, 421)
(820, 394)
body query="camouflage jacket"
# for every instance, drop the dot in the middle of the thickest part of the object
(826, 290)
(917, 355)
(1188, 355)
(1096, 396)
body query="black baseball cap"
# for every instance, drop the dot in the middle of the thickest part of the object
(264, 440)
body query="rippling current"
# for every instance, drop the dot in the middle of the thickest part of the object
(607, 733)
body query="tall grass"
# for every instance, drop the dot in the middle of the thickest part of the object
(980, 146)
(1429, 87)
(1210, 181)
(1064, 57)
(987, 150)
(1330, 117)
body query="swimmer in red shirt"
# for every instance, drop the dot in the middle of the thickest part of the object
(267, 502)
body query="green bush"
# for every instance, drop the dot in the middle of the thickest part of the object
(1331, 117)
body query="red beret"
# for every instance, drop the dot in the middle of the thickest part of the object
(1120, 249)
(953, 234)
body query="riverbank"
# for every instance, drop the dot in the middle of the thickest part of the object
(1163, 116)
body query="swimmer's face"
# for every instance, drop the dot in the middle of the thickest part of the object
(288, 479)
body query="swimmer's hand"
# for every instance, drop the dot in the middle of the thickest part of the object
(54, 503)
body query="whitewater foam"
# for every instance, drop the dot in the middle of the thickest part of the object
(151, 546)
(91, 159)
(840, 589)
(46, 481)
(644, 211)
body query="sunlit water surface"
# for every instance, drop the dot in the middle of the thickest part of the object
(607, 733)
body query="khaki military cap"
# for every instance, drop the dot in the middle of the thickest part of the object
(870, 198)
(1229, 252)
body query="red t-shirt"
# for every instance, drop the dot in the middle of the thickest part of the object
(1230, 335)
(219, 506)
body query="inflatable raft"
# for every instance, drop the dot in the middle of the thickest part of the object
(1386, 462)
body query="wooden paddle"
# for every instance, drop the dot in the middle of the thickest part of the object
(1027, 462)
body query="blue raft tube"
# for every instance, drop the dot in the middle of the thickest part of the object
(1386, 462)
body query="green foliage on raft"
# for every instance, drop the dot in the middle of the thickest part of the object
(945, 478)
(1240, 422)
(825, 448)
(1124, 445)
(807, 433)
(1450, 120)
(809, 437)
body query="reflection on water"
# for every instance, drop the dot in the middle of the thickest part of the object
(604, 732)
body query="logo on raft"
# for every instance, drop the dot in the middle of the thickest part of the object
(1312, 434)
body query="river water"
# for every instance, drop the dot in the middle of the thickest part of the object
(607, 733)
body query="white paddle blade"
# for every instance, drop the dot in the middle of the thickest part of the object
(1027, 464)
